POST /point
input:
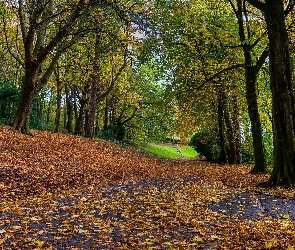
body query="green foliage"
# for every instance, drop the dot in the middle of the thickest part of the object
(268, 144)
(8, 99)
(9, 96)
(120, 132)
(114, 132)
(109, 133)
(206, 144)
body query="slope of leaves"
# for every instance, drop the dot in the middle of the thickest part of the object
(67, 192)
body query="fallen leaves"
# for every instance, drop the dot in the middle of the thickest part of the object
(59, 191)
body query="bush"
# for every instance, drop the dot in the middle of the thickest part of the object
(8, 100)
(206, 144)
(120, 132)
(115, 132)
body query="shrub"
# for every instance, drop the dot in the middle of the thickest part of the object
(115, 132)
(206, 144)
(8, 100)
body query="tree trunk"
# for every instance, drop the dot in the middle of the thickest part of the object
(25, 106)
(231, 156)
(230, 136)
(93, 91)
(106, 116)
(221, 130)
(237, 130)
(58, 102)
(69, 124)
(49, 106)
(251, 72)
(280, 75)
(256, 130)
(83, 107)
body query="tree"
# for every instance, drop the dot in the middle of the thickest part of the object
(48, 29)
(197, 67)
(248, 44)
(281, 87)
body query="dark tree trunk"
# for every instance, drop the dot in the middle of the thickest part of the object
(221, 131)
(93, 91)
(49, 106)
(280, 73)
(58, 102)
(96, 130)
(292, 90)
(106, 116)
(75, 105)
(256, 130)
(69, 124)
(83, 107)
(230, 134)
(24, 110)
(251, 72)
(237, 130)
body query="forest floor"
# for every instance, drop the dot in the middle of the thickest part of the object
(67, 192)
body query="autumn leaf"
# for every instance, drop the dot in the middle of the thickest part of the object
(116, 196)
(268, 245)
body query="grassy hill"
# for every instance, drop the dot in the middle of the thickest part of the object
(169, 152)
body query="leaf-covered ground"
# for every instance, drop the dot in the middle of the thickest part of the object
(67, 192)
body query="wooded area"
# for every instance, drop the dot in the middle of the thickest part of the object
(216, 75)
(144, 71)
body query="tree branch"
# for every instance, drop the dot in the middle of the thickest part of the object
(114, 79)
(261, 60)
(257, 4)
(219, 73)
(289, 7)
(8, 46)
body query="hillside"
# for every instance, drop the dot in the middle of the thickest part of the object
(68, 192)
(49, 162)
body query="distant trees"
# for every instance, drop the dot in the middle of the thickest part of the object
(48, 29)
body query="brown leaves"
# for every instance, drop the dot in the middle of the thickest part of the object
(66, 191)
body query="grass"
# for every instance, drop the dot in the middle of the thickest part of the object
(188, 151)
(168, 151)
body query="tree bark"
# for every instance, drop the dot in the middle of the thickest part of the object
(69, 104)
(251, 72)
(229, 131)
(83, 107)
(280, 78)
(223, 157)
(256, 130)
(93, 91)
(58, 101)
(237, 130)
(25, 105)
(106, 116)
